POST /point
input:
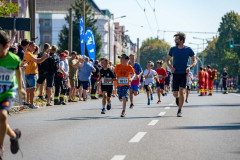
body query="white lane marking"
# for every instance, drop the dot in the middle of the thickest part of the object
(153, 122)
(236, 94)
(137, 137)
(161, 113)
(167, 108)
(118, 157)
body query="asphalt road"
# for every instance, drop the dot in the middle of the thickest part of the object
(208, 130)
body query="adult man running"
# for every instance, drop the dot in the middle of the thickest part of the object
(134, 89)
(107, 76)
(10, 74)
(180, 54)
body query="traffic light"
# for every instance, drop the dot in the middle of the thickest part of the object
(231, 43)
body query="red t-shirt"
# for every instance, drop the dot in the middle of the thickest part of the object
(161, 72)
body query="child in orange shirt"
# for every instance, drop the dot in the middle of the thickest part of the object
(123, 72)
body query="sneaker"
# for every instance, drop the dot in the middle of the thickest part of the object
(186, 101)
(94, 98)
(26, 104)
(151, 97)
(123, 114)
(103, 111)
(14, 142)
(109, 106)
(57, 103)
(131, 106)
(159, 101)
(49, 104)
(177, 101)
(84, 99)
(163, 94)
(1, 153)
(33, 107)
(179, 114)
(63, 103)
(148, 102)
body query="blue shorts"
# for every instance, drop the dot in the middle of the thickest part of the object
(161, 85)
(134, 88)
(85, 84)
(7, 103)
(31, 80)
(122, 91)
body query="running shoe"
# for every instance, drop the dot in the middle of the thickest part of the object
(186, 101)
(49, 104)
(177, 101)
(33, 107)
(57, 103)
(123, 114)
(103, 111)
(63, 103)
(1, 153)
(151, 97)
(163, 94)
(94, 98)
(26, 104)
(159, 101)
(179, 114)
(131, 106)
(84, 99)
(14, 142)
(109, 106)
(148, 102)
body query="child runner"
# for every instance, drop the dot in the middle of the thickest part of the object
(134, 89)
(161, 79)
(107, 76)
(10, 76)
(123, 72)
(149, 76)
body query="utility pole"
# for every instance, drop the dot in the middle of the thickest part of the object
(84, 3)
(32, 7)
(70, 33)
(138, 53)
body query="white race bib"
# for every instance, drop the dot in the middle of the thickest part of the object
(106, 83)
(160, 77)
(6, 78)
(123, 80)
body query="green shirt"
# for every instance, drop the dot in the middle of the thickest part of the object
(8, 80)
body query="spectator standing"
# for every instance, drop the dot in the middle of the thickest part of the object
(94, 79)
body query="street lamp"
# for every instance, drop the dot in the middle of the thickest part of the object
(203, 39)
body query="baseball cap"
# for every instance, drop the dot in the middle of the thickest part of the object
(123, 56)
(63, 54)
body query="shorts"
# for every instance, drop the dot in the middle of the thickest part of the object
(134, 87)
(189, 88)
(85, 84)
(161, 85)
(30, 80)
(108, 89)
(146, 86)
(50, 79)
(167, 83)
(74, 82)
(179, 80)
(122, 91)
(7, 103)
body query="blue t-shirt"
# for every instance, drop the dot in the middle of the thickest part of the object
(138, 68)
(180, 58)
(84, 73)
(21, 53)
(167, 79)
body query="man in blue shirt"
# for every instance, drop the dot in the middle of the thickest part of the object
(84, 74)
(180, 68)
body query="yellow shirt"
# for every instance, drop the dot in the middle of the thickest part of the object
(32, 66)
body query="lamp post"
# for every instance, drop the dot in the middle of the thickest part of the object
(203, 39)
(109, 34)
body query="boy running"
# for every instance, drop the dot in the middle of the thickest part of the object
(161, 79)
(134, 89)
(123, 72)
(107, 76)
(149, 76)
(9, 67)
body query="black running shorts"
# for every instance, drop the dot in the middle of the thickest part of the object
(179, 80)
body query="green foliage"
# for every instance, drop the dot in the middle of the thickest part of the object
(7, 8)
(218, 53)
(153, 50)
(90, 21)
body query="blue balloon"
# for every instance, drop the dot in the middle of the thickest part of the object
(81, 32)
(90, 43)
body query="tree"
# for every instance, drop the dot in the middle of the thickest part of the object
(7, 8)
(90, 21)
(153, 50)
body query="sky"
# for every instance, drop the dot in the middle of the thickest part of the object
(170, 15)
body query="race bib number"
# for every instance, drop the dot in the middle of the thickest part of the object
(160, 77)
(123, 80)
(106, 83)
(6, 78)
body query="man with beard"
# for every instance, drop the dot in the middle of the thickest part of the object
(180, 68)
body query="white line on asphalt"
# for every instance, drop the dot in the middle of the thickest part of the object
(161, 113)
(167, 108)
(118, 157)
(236, 94)
(137, 137)
(153, 122)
